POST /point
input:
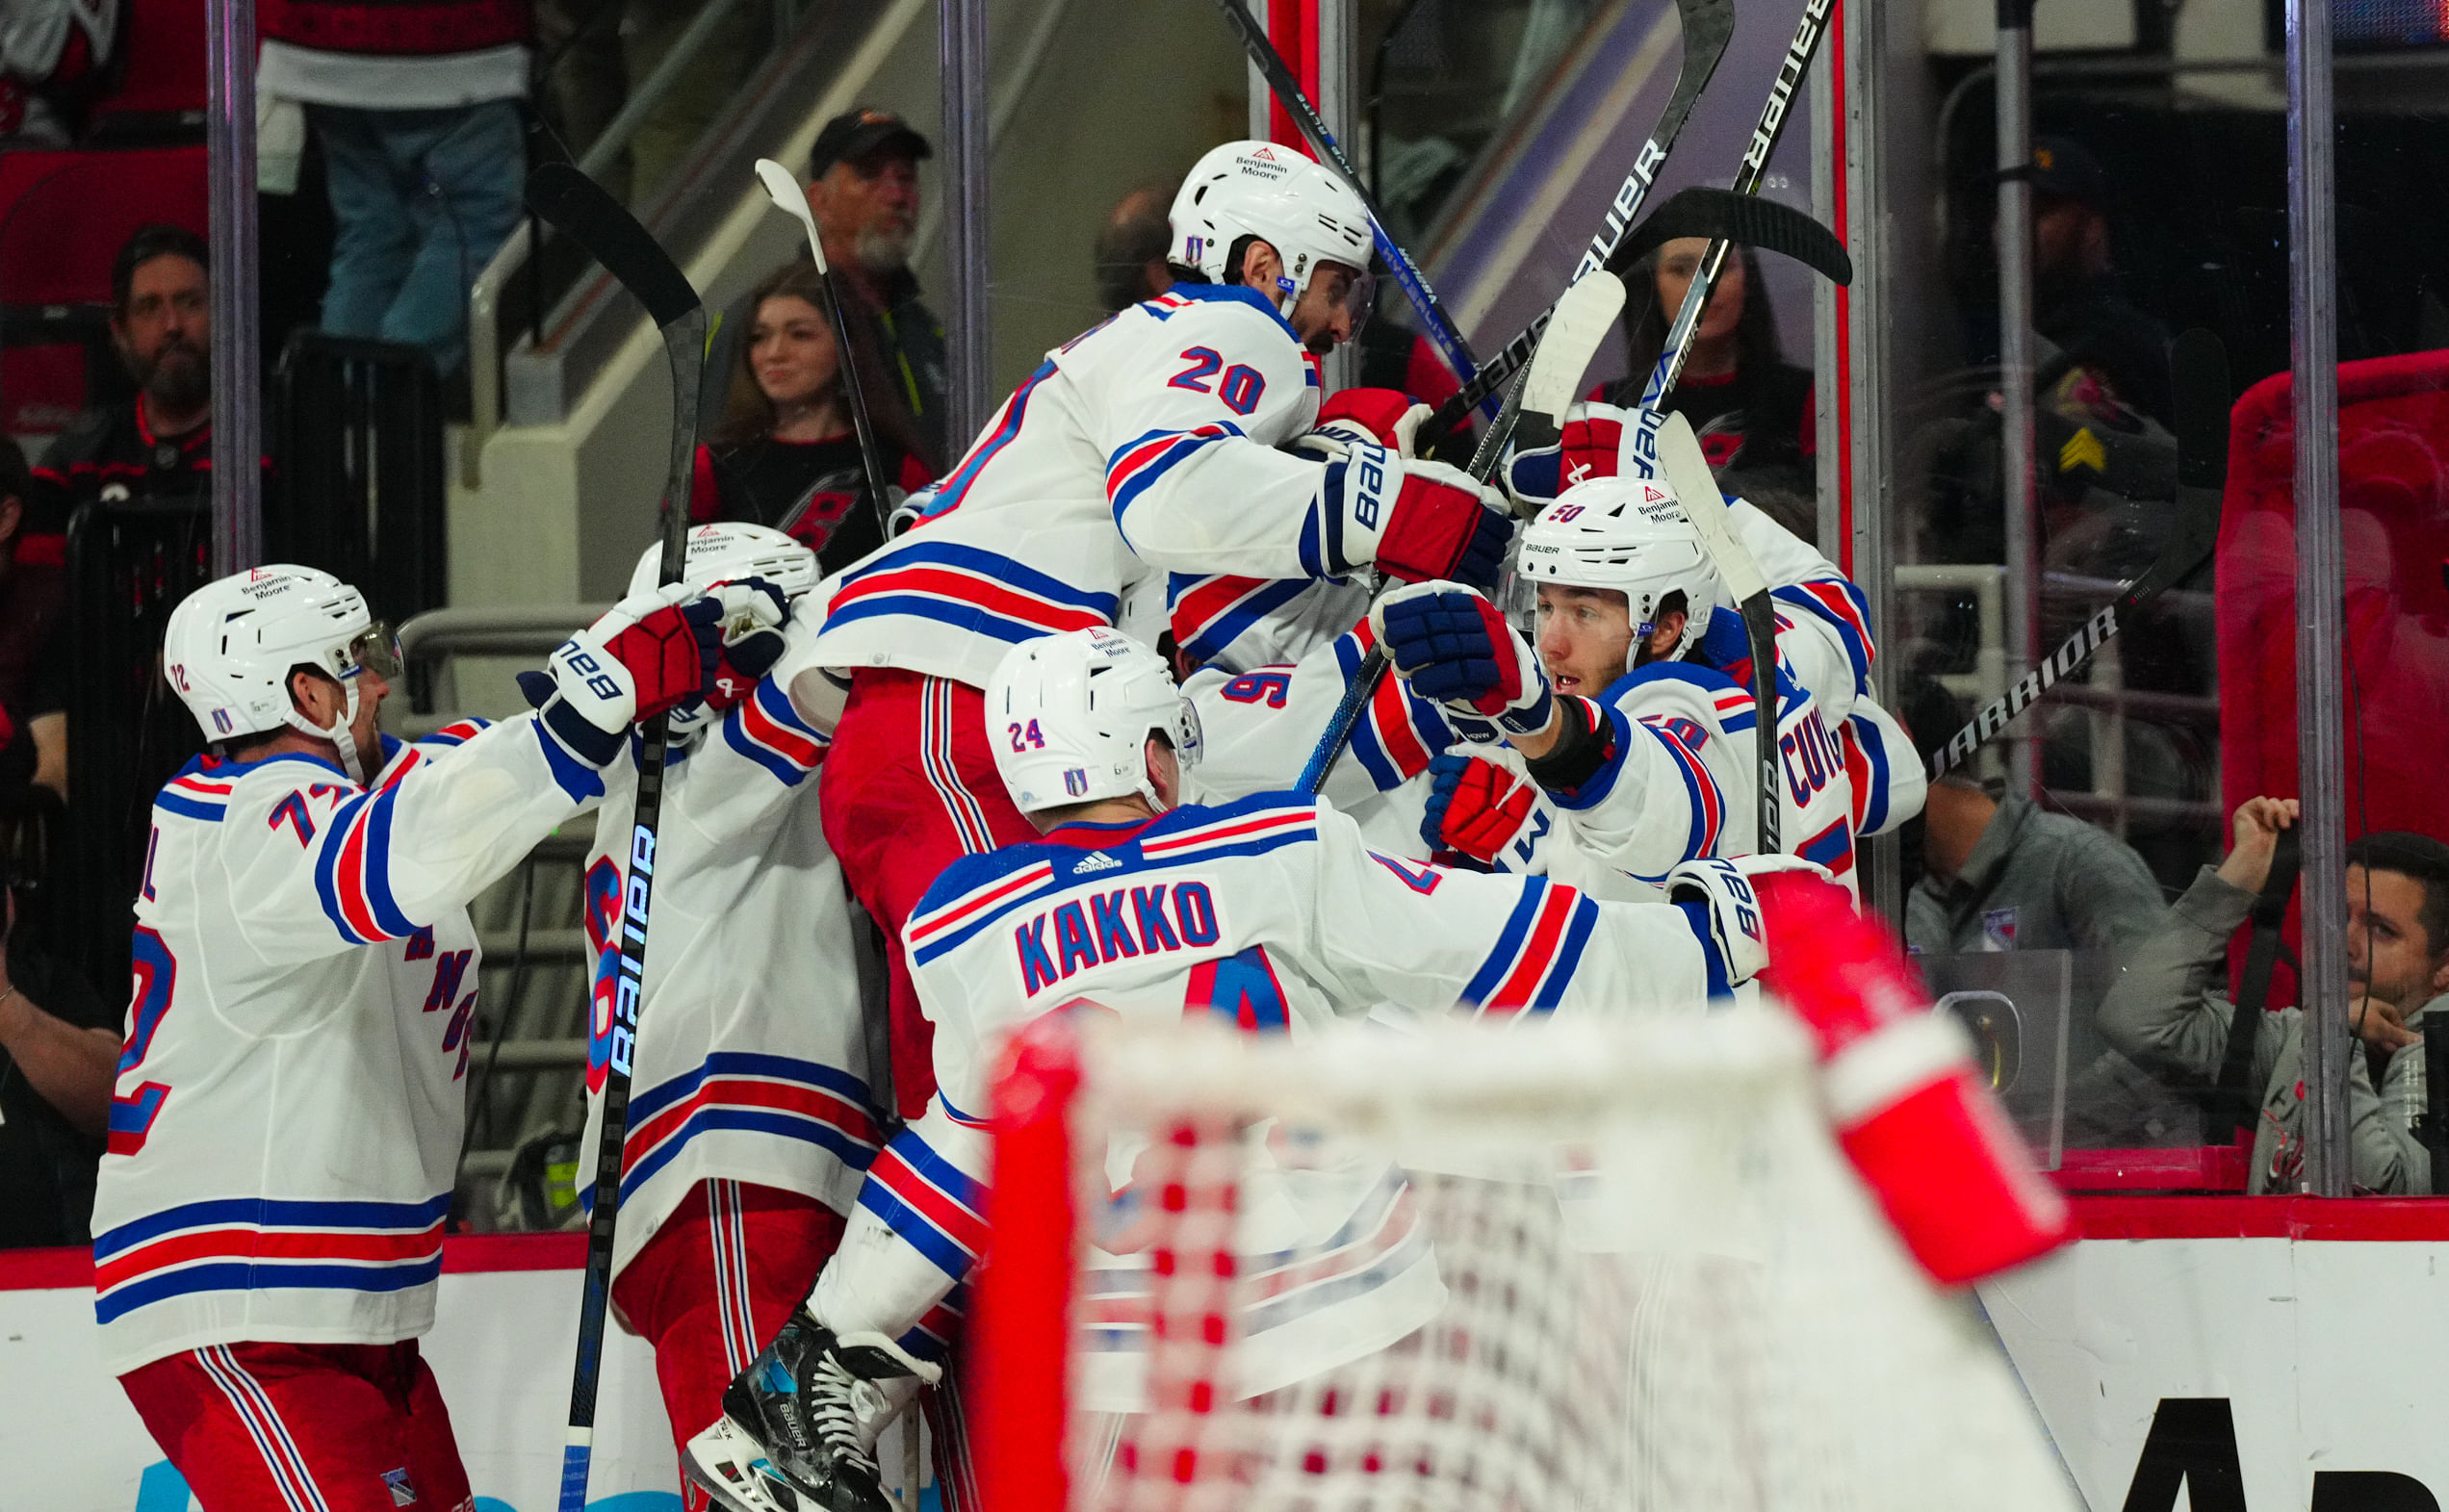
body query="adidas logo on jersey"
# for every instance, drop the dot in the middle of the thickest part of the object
(1096, 861)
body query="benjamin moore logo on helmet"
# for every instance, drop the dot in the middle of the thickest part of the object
(1263, 163)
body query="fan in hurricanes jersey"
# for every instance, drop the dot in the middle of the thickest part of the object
(1634, 716)
(1149, 444)
(287, 1115)
(750, 1126)
(1271, 912)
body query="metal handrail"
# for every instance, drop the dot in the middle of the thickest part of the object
(484, 296)
(494, 630)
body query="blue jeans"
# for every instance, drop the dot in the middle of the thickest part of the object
(424, 199)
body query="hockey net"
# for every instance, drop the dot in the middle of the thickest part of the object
(1619, 1265)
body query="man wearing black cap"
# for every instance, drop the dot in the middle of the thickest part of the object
(863, 187)
(2078, 304)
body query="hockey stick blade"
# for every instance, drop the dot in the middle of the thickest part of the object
(1583, 318)
(1688, 473)
(1720, 214)
(1708, 25)
(2198, 369)
(782, 186)
(579, 208)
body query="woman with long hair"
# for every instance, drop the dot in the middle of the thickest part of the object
(1751, 408)
(786, 453)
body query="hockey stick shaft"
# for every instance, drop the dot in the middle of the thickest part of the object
(785, 192)
(587, 215)
(1288, 92)
(1544, 389)
(1706, 26)
(2199, 367)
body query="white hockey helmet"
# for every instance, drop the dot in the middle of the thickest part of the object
(1069, 716)
(1283, 197)
(729, 550)
(230, 647)
(1630, 534)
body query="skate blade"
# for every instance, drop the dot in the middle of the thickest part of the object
(729, 1465)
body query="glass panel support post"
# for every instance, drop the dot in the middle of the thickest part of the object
(237, 365)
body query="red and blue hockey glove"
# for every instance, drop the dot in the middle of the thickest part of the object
(754, 614)
(1454, 648)
(1593, 436)
(1444, 525)
(1387, 417)
(653, 651)
(1482, 808)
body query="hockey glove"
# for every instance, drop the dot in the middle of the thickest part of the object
(653, 651)
(1482, 808)
(1444, 525)
(754, 614)
(1387, 417)
(1593, 435)
(1453, 646)
(1718, 899)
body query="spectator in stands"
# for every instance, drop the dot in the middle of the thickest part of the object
(417, 112)
(58, 1052)
(158, 445)
(34, 672)
(1999, 873)
(1130, 248)
(1752, 409)
(2110, 353)
(50, 51)
(863, 185)
(2163, 1012)
(786, 453)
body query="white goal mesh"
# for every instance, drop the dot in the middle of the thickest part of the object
(1542, 1267)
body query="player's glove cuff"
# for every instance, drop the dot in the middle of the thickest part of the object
(1720, 903)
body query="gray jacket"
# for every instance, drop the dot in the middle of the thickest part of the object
(2162, 1012)
(2038, 880)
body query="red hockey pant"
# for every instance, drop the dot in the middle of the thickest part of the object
(910, 788)
(297, 1428)
(719, 1281)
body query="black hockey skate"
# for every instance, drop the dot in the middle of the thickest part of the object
(799, 1426)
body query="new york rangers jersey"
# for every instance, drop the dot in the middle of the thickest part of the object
(750, 1064)
(287, 1115)
(1274, 916)
(1149, 443)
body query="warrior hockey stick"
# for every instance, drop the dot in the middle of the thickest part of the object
(577, 207)
(790, 199)
(1288, 90)
(2198, 366)
(1706, 26)
(1540, 396)
(1688, 473)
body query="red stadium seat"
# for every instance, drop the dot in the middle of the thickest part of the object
(62, 216)
(2393, 438)
(163, 43)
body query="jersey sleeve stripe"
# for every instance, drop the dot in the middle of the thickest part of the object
(343, 903)
(1207, 619)
(1832, 847)
(173, 800)
(1136, 466)
(1008, 423)
(1841, 605)
(766, 729)
(1706, 800)
(1508, 946)
(1275, 821)
(960, 908)
(1866, 766)
(1540, 953)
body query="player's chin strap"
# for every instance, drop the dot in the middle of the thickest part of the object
(342, 733)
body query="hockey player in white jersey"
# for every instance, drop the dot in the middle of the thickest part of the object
(750, 1126)
(288, 1110)
(1269, 912)
(1634, 716)
(1150, 443)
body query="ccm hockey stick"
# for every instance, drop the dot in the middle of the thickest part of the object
(1718, 214)
(791, 200)
(1288, 90)
(580, 209)
(1688, 473)
(2198, 366)
(1580, 320)
(1707, 25)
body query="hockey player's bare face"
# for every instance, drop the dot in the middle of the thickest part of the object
(324, 700)
(1586, 637)
(1323, 317)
